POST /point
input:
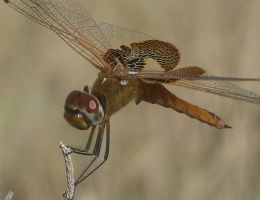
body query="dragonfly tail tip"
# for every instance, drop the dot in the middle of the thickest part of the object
(227, 126)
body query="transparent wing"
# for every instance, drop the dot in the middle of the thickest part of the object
(71, 21)
(197, 78)
(220, 87)
(117, 36)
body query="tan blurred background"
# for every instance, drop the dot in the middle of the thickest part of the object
(155, 153)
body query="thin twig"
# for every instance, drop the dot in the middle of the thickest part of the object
(70, 190)
(9, 195)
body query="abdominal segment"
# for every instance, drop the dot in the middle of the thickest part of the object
(158, 94)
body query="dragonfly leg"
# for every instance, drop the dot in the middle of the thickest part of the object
(85, 151)
(86, 173)
(86, 89)
(90, 139)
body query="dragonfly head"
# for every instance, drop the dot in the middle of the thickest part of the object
(82, 110)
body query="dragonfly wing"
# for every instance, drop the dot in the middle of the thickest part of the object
(197, 78)
(117, 36)
(71, 22)
(221, 88)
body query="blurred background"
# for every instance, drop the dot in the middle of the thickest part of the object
(156, 153)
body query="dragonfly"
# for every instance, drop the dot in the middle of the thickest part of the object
(123, 57)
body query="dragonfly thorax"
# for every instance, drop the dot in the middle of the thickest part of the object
(83, 110)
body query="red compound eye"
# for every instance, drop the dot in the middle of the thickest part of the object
(72, 98)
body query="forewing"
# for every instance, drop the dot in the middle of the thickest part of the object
(197, 78)
(71, 22)
(117, 36)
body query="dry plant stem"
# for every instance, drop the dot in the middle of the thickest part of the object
(9, 195)
(70, 190)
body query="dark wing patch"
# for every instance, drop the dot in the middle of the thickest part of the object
(72, 22)
(165, 53)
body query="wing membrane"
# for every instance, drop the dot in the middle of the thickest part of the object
(91, 39)
(197, 79)
(71, 21)
(117, 36)
(221, 88)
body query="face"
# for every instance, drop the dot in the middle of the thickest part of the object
(82, 110)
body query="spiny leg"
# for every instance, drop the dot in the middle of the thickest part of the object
(107, 141)
(90, 139)
(85, 151)
(96, 151)
(82, 178)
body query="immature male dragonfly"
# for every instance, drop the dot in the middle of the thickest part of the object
(121, 57)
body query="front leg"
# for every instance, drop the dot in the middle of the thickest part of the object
(96, 152)
(85, 151)
(67, 150)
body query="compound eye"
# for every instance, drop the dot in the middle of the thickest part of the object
(72, 98)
